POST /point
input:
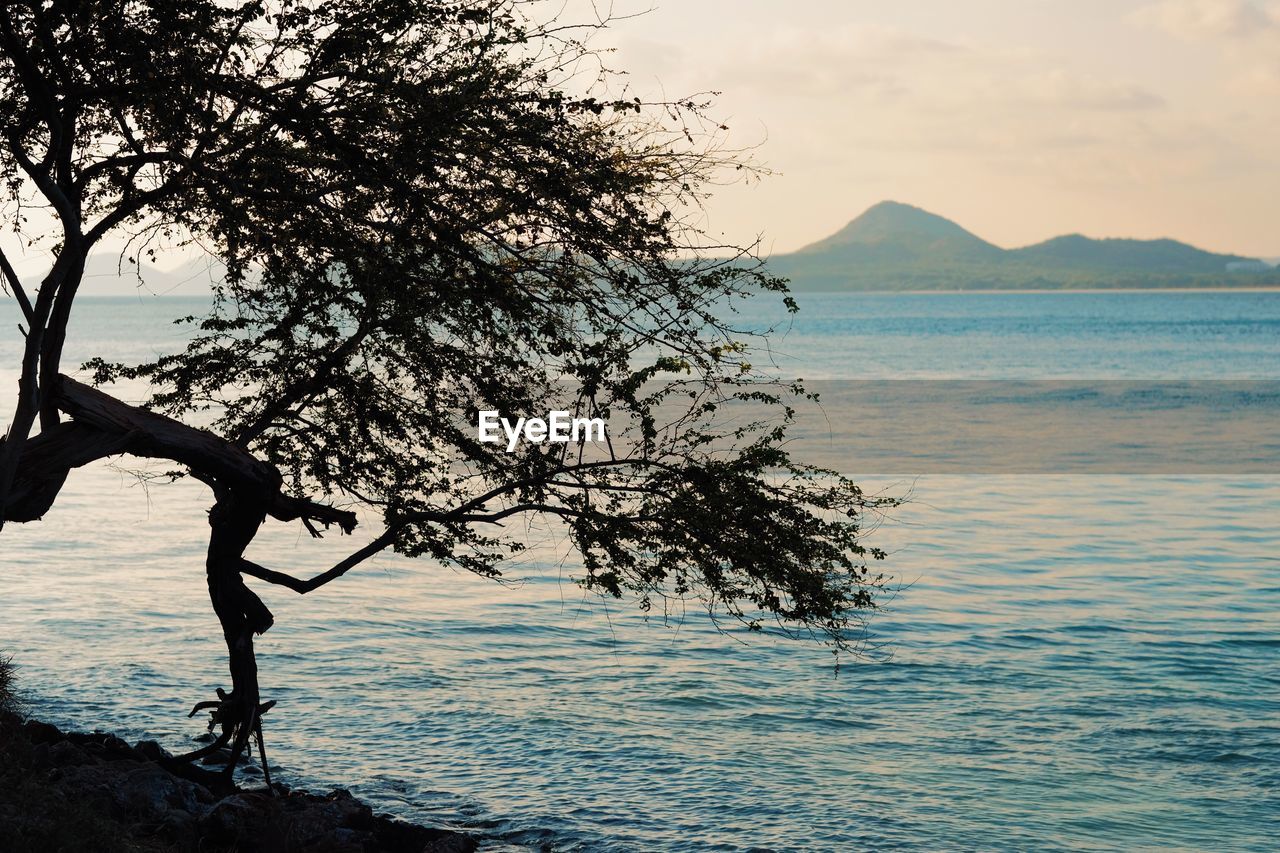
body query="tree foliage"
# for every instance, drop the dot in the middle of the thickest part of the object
(424, 209)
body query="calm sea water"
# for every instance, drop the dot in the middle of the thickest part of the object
(1072, 661)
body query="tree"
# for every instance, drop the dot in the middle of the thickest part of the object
(418, 221)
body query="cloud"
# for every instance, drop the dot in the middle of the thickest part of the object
(1197, 20)
(897, 69)
(1065, 90)
(835, 66)
(1246, 33)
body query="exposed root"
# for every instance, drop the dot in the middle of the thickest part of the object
(227, 713)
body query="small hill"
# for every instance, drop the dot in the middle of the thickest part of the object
(894, 229)
(1168, 256)
(894, 246)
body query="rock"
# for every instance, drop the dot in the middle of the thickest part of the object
(179, 825)
(227, 820)
(396, 835)
(151, 751)
(115, 747)
(150, 789)
(65, 753)
(139, 795)
(138, 789)
(335, 823)
(449, 842)
(41, 759)
(218, 758)
(347, 811)
(38, 732)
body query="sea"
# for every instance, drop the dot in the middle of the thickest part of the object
(1080, 653)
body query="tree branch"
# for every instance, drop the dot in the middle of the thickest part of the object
(303, 388)
(19, 292)
(156, 436)
(302, 587)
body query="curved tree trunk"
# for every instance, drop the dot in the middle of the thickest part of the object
(246, 491)
(103, 426)
(233, 522)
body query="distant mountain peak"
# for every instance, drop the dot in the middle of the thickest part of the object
(889, 207)
(903, 225)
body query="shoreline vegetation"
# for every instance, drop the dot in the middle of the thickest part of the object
(74, 791)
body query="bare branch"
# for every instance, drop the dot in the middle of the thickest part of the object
(15, 285)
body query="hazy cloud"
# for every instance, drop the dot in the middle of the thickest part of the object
(916, 72)
(1062, 89)
(1209, 19)
(1246, 33)
(833, 62)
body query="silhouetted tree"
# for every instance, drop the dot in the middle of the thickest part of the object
(417, 220)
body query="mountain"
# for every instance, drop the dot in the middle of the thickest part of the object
(900, 230)
(1108, 255)
(895, 246)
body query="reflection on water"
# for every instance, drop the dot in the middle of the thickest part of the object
(1077, 661)
(1090, 335)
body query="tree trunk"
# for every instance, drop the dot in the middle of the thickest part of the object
(104, 426)
(234, 520)
(246, 490)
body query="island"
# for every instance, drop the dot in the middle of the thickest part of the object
(899, 247)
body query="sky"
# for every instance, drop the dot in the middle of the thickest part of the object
(1020, 119)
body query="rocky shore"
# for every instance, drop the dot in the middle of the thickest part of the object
(62, 791)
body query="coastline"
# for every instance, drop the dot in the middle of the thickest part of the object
(803, 291)
(93, 791)
(798, 288)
